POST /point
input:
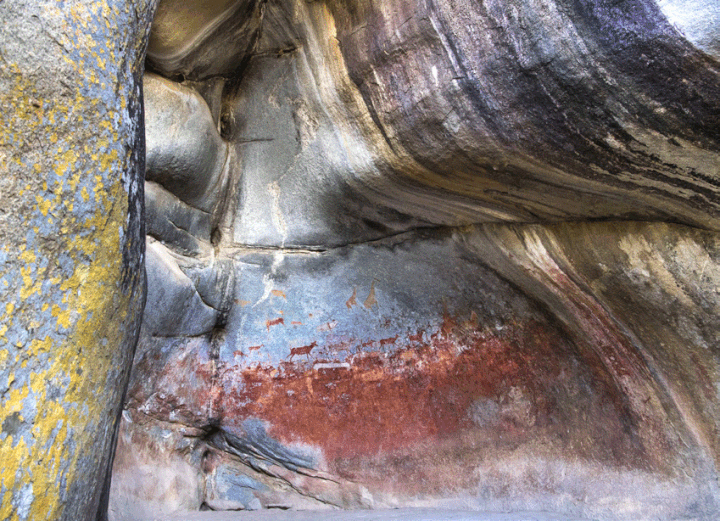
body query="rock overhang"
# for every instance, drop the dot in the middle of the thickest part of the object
(402, 237)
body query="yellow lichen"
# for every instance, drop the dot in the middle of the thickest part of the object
(90, 295)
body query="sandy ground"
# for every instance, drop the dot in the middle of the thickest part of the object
(404, 514)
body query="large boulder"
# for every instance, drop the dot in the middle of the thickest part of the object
(72, 281)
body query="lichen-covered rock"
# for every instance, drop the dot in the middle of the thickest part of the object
(71, 255)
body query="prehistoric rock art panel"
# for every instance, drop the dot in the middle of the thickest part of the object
(373, 279)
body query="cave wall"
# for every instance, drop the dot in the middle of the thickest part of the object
(396, 257)
(398, 253)
(416, 371)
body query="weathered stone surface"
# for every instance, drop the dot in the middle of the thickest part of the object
(643, 294)
(578, 111)
(376, 365)
(540, 111)
(399, 298)
(174, 306)
(71, 253)
(356, 120)
(157, 471)
(406, 514)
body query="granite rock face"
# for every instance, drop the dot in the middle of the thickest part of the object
(437, 253)
(72, 251)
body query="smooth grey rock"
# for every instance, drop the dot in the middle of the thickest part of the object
(250, 440)
(174, 307)
(185, 153)
(299, 165)
(184, 228)
(214, 282)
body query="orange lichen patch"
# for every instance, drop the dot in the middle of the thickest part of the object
(374, 404)
(279, 293)
(68, 371)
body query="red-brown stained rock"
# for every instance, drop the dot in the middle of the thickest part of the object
(178, 389)
(416, 413)
(416, 403)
